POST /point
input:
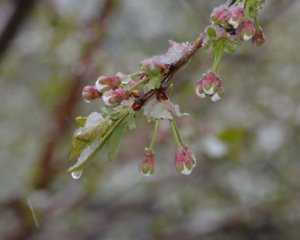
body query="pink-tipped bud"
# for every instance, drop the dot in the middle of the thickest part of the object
(147, 163)
(219, 14)
(210, 85)
(246, 30)
(113, 98)
(90, 93)
(107, 82)
(236, 15)
(259, 37)
(185, 160)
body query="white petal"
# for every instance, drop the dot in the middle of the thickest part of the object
(209, 91)
(99, 86)
(215, 97)
(186, 171)
(247, 37)
(233, 23)
(106, 101)
(200, 94)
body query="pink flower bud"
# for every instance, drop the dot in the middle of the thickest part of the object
(259, 37)
(246, 30)
(236, 15)
(113, 98)
(210, 85)
(147, 163)
(90, 93)
(217, 12)
(107, 82)
(185, 161)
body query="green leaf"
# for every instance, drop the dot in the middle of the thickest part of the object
(80, 121)
(115, 140)
(211, 32)
(95, 146)
(155, 77)
(84, 136)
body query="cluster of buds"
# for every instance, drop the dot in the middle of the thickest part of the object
(107, 88)
(185, 161)
(210, 85)
(234, 21)
(231, 24)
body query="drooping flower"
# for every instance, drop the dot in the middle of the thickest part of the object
(147, 163)
(113, 98)
(236, 15)
(210, 85)
(259, 37)
(246, 30)
(185, 160)
(90, 93)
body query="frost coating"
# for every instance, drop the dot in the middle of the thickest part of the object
(93, 119)
(162, 110)
(85, 154)
(174, 53)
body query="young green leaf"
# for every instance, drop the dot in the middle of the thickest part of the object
(95, 146)
(115, 140)
(84, 136)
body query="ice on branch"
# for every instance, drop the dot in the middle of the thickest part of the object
(174, 53)
(155, 109)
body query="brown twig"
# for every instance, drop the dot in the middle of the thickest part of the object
(170, 72)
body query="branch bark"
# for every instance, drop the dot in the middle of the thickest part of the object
(22, 8)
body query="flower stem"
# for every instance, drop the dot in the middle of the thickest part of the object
(136, 85)
(176, 134)
(153, 138)
(217, 53)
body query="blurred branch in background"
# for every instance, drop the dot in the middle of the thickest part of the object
(20, 11)
(63, 114)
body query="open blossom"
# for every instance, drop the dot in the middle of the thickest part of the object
(147, 163)
(90, 93)
(210, 85)
(113, 98)
(185, 160)
(107, 82)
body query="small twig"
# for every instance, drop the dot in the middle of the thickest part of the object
(173, 69)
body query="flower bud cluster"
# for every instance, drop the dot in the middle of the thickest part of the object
(233, 20)
(185, 161)
(108, 88)
(210, 85)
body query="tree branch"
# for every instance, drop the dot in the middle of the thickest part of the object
(21, 10)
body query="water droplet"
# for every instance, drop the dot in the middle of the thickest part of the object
(76, 175)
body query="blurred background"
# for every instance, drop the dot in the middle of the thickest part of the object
(246, 183)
